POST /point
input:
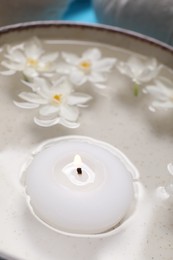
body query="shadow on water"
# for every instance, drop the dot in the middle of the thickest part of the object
(52, 245)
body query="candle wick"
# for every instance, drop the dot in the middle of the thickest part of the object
(79, 170)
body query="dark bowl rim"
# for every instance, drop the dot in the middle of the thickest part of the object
(101, 27)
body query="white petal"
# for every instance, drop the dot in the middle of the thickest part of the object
(28, 84)
(135, 65)
(58, 81)
(68, 124)
(8, 72)
(62, 85)
(70, 58)
(11, 49)
(152, 64)
(12, 66)
(63, 68)
(77, 77)
(33, 48)
(30, 72)
(124, 69)
(82, 105)
(164, 105)
(44, 92)
(16, 56)
(39, 85)
(100, 86)
(158, 92)
(92, 54)
(51, 57)
(48, 110)
(47, 123)
(69, 113)
(164, 82)
(78, 98)
(52, 122)
(96, 77)
(148, 75)
(26, 105)
(33, 98)
(104, 64)
(48, 74)
(41, 82)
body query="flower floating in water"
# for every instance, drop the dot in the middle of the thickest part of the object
(56, 99)
(29, 58)
(89, 67)
(139, 71)
(57, 102)
(162, 90)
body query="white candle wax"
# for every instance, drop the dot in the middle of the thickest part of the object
(90, 202)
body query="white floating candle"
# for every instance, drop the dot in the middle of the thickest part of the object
(79, 185)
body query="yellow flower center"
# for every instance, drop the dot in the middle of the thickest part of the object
(85, 65)
(32, 62)
(57, 98)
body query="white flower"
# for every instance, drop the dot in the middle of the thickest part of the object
(138, 70)
(89, 67)
(162, 91)
(29, 58)
(57, 102)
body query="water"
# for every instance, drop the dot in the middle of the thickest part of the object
(118, 118)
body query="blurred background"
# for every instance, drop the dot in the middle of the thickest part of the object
(153, 18)
(17, 11)
(80, 10)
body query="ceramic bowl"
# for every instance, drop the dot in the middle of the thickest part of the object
(115, 115)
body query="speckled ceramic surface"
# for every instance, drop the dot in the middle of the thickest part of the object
(117, 117)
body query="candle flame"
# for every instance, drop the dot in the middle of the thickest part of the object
(77, 161)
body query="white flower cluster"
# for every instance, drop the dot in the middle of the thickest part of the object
(51, 84)
(52, 80)
(143, 73)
